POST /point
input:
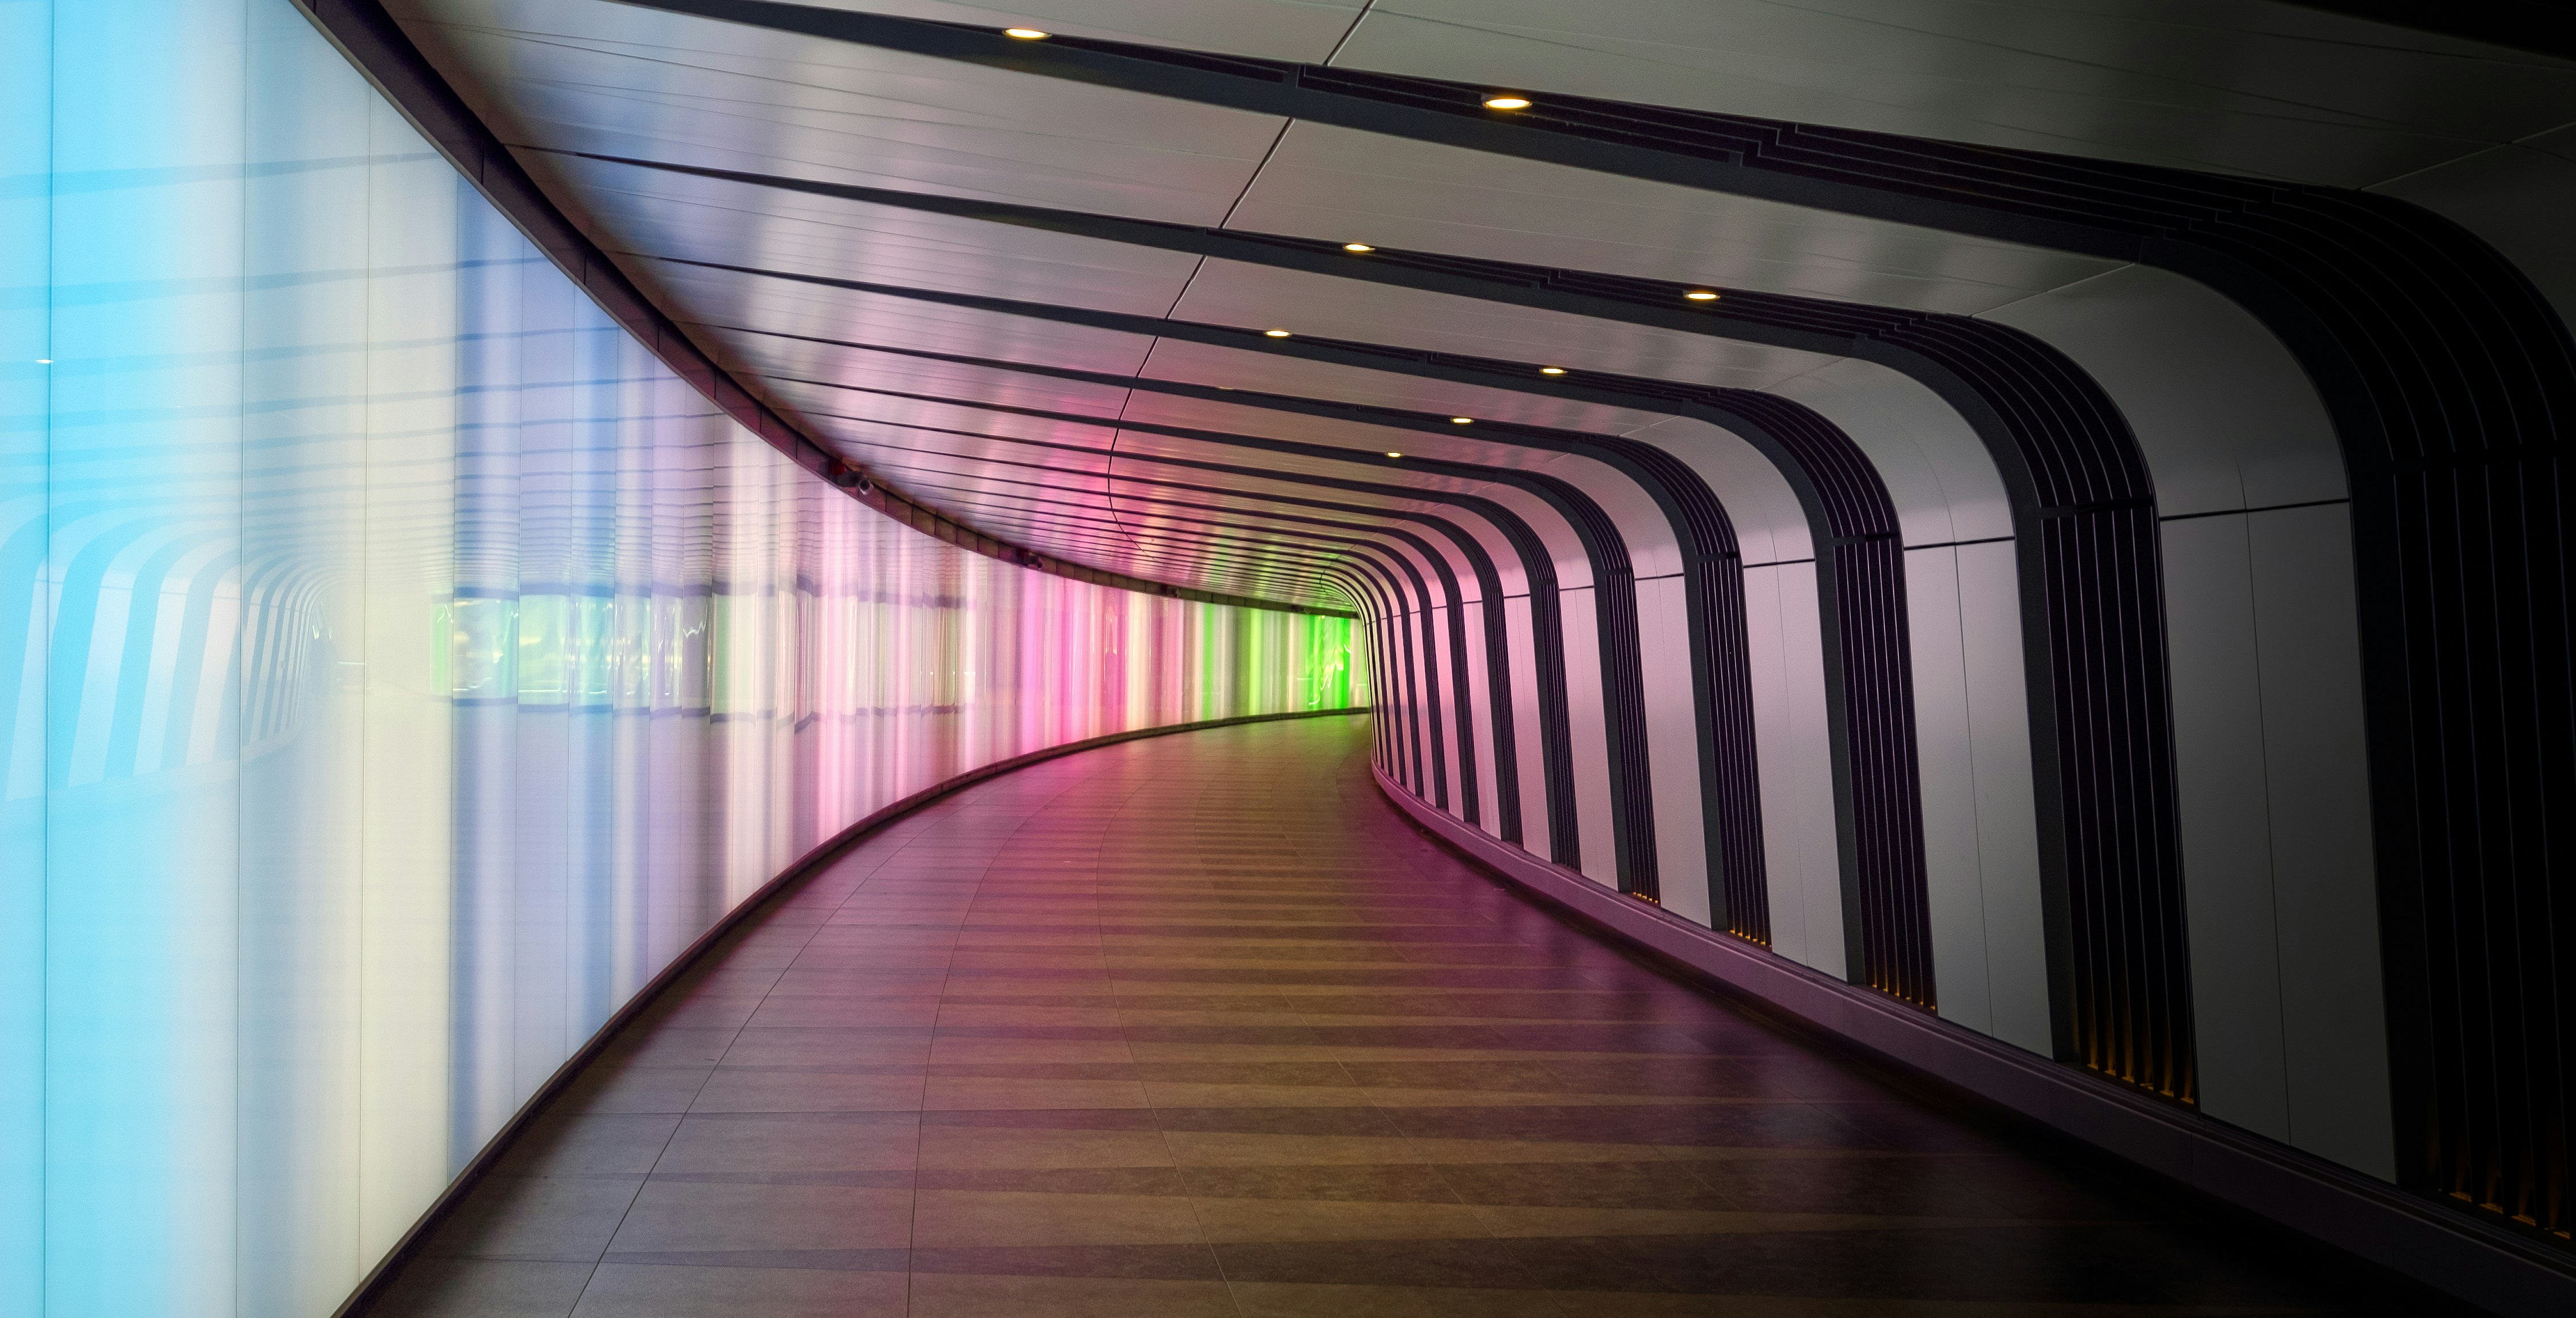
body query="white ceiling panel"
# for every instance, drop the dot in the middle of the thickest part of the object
(1348, 186)
(796, 359)
(724, 297)
(2245, 86)
(633, 81)
(1233, 368)
(708, 220)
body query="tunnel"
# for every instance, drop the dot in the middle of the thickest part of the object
(1386, 658)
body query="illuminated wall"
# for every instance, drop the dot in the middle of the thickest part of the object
(397, 666)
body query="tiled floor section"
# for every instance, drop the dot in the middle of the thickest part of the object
(1197, 1025)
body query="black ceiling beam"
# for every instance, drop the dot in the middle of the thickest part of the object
(2543, 27)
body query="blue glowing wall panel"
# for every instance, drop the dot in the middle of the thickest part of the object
(398, 665)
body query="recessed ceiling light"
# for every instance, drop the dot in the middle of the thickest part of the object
(1700, 295)
(44, 361)
(1393, 454)
(1506, 101)
(1461, 420)
(1551, 370)
(1357, 247)
(1025, 33)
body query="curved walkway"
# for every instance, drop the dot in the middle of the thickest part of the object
(1198, 1025)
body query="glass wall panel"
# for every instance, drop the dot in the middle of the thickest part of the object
(398, 666)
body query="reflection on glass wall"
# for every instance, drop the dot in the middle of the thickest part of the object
(397, 666)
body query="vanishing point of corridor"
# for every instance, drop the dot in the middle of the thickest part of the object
(1198, 1025)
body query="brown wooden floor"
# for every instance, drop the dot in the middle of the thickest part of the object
(1197, 1025)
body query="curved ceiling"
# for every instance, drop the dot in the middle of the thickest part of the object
(1059, 384)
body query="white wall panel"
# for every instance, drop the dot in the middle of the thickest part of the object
(2323, 879)
(2266, 702)
(1672, 731)
(2226, 828)
(2276, 844)
(1480, 712)
(1800, 854)
(1595, 837)
(1527, 725)
(1953, 868)
(1989, 596)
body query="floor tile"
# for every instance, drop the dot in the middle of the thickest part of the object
(956, 1218)
(553, 1219)
(585, 1144)
(684, 1215)
(967, 1295)
(986, 1147)
(485, 1288)
(767, 1142)
(1233, 1220)
(626, 1290)
(806, 1089)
